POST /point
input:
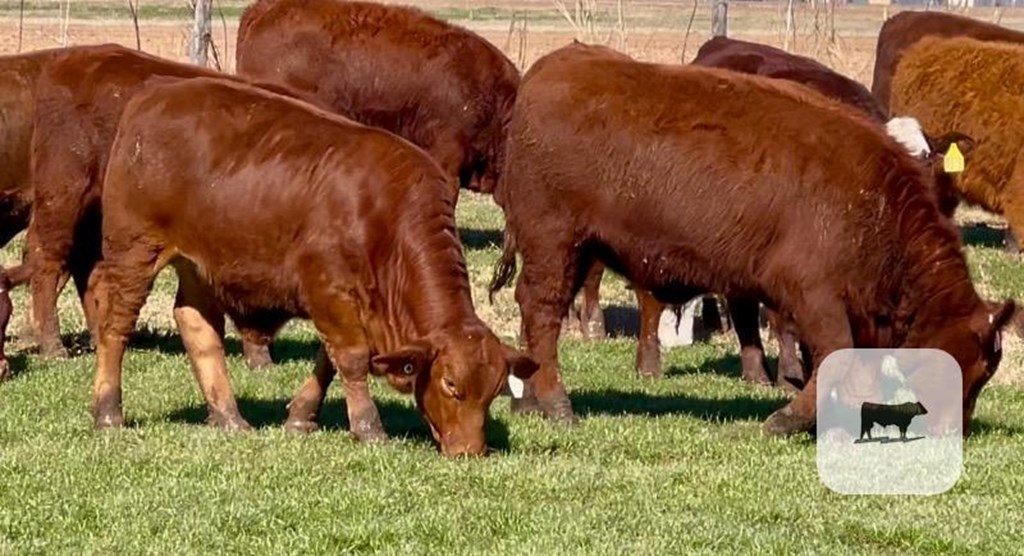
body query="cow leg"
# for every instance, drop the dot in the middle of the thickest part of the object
(825, 327)
(255, 346)
(648, 347)
(80, 272)
(745, 320)
(120, 285)
(44, 283)
(790, 376)
(591, 317)
(304, 409)
(544, 291)
(710, 316)
(348, 351)
(5, 317)
(201, 325)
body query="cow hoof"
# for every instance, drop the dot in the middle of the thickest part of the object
(760, 378)
(785, 423)
(53, 352)
(527, 405)
(258, 358)
(5, 370)
(226, 421)
(557, 408)
(650, 374)
(368, 434)
(300, 426)
(105, 421)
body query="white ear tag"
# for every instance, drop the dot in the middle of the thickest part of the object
(997, 342)
(516, 386)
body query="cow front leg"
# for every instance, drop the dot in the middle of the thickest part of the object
(745, 319)
(648, 347)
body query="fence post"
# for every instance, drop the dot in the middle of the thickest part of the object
(203, 14)
(719, 18)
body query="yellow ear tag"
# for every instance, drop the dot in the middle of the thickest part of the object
(953, 161)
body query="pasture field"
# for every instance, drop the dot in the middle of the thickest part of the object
(668, 467)
(676, 466)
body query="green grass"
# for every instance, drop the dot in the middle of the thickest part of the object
(669, 467)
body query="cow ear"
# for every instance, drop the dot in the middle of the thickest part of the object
(940, 145)
(405, 362)
(519, 364)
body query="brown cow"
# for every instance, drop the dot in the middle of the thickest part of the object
(80, 96)
(344, 224)
(688, 180)
(902, 30)
(440, 86)
(760, 59)
(18, 76)
(985, 103)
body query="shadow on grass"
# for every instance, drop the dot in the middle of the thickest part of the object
(617, 402)
(480, 239)
(983, 235)
(282, 350)
(400, 420)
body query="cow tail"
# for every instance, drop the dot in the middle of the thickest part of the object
(505, 270)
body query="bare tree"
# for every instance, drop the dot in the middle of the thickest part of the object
(720, 18)
(200, 39)
(689, 26)
(134, 10)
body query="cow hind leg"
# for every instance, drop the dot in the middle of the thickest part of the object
(745, 318)
(790, 375)
(304, 409)
(826, 328)
(648, 348)
(201, 325)
(45, 286)
(5, 317)
(255, 346)
(591, 316)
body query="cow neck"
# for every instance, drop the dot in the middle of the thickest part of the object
(936, 284)
(425, 286)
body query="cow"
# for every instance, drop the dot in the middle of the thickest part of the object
(687, 180)
(760, 59)
(79, 97)
(18, 76)
(904, 29)
(930, 82)
(438, 85)
(344, 224)
(886, 415)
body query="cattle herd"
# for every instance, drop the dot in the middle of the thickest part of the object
(320, 182)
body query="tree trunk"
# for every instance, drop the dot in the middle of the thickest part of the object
(201, 32)
(719, 18)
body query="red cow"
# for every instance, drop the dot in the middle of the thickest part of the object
(440, 86)
(273, 210)
(687, 180)
(902, 30)
(80, 96)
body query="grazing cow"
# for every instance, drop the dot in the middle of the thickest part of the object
(440, 86)
(687, 180)
(985, 102)
(18, 76)
(344, 224)
(80, 96)
(759, 59)
(885, 415)
(904, 29)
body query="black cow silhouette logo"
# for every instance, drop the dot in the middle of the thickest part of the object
(900, 415)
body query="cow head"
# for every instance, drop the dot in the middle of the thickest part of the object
(931, 151)
(975, 342)
(454, 381)
(920, 409)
